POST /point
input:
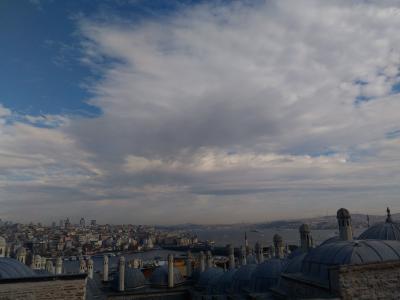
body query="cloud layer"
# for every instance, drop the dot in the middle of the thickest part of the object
(220, 113)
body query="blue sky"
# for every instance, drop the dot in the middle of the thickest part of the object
(198, 111)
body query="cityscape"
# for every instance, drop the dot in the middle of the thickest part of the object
(199, 149)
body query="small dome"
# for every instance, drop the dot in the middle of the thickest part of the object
(343, 213)
(208, 276)
(267, 275)
(134, 279)
(223, 283)
(317, 262)
(160, 276)
(12, 268)
(304, 228)
(242, 278)
(382, 231)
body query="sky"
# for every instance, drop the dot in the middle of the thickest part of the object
(166, 112)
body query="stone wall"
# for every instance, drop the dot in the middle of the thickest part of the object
(60, 288)
(370, 281)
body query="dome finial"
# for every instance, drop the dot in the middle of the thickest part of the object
(389, 216)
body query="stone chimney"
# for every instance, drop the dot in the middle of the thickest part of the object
(121, 272)
(189, 264)
(90, 268)
(306, 242)
(278, 246)
(209, 260)
(243, 258)
(82, 266)
(49, 267)
(105, 268)
(59, 265)
(202, 262)
(170, 271)
(259, 253)
(231, 257)
(344, 221)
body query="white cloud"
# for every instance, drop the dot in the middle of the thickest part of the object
(229, 107)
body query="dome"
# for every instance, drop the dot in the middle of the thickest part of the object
(12, 268)
(304, 228)
(223, 283)
(388, 230)
(294, 264)
(342, 213)
(317, 262)
(160, 276)
(382, 231)
(134, 279)
(267, 275)
(333, 239)
(208, 276)
(242, 278)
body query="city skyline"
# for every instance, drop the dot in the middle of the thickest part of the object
(195, 112)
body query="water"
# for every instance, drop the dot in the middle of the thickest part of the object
(224, 236)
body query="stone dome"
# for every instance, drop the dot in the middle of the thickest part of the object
(293, 265)
(134, 279)
(208, 276)
(382, 231)
(160, 276)
(223, 283)
(242, 278)
(342, 213)
(267, 275)
(388, 230)
(12, 268)
(317, 262)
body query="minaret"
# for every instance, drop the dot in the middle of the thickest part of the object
(389, 216)
(189, 264)
(231, 257)
(306, 242)
(90, 268)
(278, 246)
(82, 266)
(170, 271)
(344, 221)
(209, 260)
(259, 253)
(59, 265)
(202, 262)
(121, 272)
(105, 268)
(243, 259)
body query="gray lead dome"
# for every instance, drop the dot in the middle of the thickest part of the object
(12, 268)
(317, 262)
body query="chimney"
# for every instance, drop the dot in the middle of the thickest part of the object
(344, 221)
(121, 285)
(231, 257)
(202, 262)
(105, 268)
(209, 260)
(189, 264)
(59, 265)
(90, 268)
(170, 271)
(306, 242)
